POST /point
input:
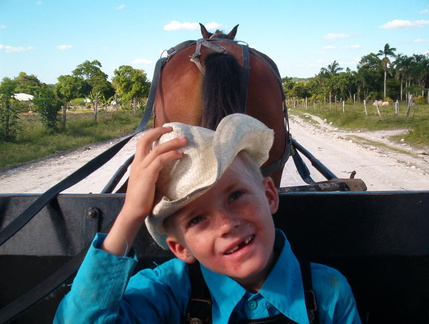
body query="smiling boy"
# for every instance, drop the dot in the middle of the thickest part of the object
(201, 195)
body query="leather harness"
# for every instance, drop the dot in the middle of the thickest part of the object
(245, 73)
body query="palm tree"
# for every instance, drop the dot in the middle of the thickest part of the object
(327, 74)
(332, 69)
(403, 67)
(387, 51)
(421, 70)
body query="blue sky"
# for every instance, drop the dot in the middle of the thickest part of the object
(49, 38)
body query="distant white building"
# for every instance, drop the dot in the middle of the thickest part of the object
(23, 97)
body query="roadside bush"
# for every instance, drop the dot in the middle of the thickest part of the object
(48, 106)
(8, 114)
(420, 100)
(9, 122)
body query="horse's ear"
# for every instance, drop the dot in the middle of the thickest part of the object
(204, 32)
(233, 32)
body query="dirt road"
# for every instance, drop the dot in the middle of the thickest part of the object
(380, 163)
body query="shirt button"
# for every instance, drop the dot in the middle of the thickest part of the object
(253, 304)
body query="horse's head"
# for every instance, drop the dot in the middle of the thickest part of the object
(218, 33)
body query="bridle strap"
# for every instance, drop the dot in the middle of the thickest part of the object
(244, 86)
(245, 73)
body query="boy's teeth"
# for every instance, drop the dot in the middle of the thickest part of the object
(235, 248)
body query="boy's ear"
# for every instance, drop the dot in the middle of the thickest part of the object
(180, 251)
(271, 194)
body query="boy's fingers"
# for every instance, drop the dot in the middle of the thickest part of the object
(144, 144)
(159, 155)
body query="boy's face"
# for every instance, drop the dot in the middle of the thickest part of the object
(230, 229)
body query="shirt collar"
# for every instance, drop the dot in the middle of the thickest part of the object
(283, 287)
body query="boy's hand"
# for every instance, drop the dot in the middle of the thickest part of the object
(139, 199)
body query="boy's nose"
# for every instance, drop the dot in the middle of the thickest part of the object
(227, 222)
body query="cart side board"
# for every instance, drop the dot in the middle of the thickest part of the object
(378, 240)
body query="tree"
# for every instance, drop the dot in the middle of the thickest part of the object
(131, 84)
(96, 79)
(8, 115)
(387, 51)
(69, 87)
(402, 71)
(370, 76)
(48, 105)
(29, 84)
(300, 90)
(346, 84)
(332, 69)
(421, 70)
(327, 77)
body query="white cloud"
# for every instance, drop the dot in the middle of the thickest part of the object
(142, 61)
(400, 24)
(63, 47)
(335, 36)
(213, 25)
(419, 40)
(120, 7)
(12, 49)
(425, 11)
(175, 25)
(39, 3)
(2, 26)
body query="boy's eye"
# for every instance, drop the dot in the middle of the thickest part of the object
(235, 195)
(194, 221)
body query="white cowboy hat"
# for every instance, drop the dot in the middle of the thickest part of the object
(207, 155)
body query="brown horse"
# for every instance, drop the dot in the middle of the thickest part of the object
(216, 85)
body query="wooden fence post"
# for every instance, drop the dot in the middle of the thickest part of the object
(397, 108)
(378, 108)
(410, 99)
(364, 104)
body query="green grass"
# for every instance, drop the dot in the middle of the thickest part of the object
(354, 118)
(34, 143)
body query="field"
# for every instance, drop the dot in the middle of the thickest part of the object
(34, 143)
(353, 117)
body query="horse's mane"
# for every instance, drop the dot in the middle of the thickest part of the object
(221, 88)
(220, 34)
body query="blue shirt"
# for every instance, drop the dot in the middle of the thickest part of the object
(103, 292)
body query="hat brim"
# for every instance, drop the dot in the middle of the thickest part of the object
(206, 157)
